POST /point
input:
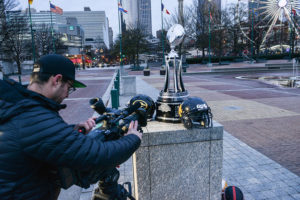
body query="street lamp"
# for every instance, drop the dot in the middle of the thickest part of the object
(209, 34)
(291, 33)
(32, 32)
(252, 31)
(180, 12)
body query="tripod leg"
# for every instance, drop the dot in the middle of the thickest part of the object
(109, 189)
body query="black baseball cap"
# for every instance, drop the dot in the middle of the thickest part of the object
(57, 64)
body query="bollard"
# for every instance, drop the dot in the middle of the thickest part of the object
(118, 78)
(117, 86)
(114, 98)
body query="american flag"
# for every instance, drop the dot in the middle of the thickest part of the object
(56, 9)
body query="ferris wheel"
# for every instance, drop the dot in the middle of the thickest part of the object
(268, 15)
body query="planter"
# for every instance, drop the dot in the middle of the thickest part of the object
(146, 72)
(162, 71)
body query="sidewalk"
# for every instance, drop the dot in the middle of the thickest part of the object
(258, 176)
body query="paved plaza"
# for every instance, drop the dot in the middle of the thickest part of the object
(261, 152)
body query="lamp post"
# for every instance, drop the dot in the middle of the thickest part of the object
(32, 37)
(291, 33)
(180, 12)
(252, 31)
(209, 34)
(162, 36)
(120, 39)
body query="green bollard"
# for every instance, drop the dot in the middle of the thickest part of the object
(117, 86)
(114, 98)
(118, 77)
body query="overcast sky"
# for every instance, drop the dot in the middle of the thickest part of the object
(110, 7)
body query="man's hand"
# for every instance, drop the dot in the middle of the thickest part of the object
(88, 125)
(133, 129)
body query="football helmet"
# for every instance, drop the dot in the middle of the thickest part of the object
(146, 103)
(194, 112)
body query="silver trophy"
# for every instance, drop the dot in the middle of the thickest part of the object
(173, 93)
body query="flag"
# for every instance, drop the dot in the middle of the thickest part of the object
(210, 16)
(30, 1)
(163, 9)
(294, 11)
(56, 9)
(121, 8)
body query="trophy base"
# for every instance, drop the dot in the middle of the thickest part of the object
(167, 105)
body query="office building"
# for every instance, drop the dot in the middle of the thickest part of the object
(139, 15)
(94, 24)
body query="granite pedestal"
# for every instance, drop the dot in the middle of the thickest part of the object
(128, 85)
(175, 163)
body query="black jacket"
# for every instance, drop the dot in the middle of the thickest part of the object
(34, 141)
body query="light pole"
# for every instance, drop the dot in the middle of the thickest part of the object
(252, 31)
(32, 37)
(180, 12)
(120, 38)
(162, 36)
(291, 33)
(209, 34)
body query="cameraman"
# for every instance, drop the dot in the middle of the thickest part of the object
(35, 142)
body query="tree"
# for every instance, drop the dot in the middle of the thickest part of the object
(17, 40)
(238, 17)
(43, 40)
(134, 41)
(5, 6)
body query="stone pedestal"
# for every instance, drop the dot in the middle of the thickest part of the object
(128, 85)
(176, 163)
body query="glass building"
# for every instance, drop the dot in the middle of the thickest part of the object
(139, 15)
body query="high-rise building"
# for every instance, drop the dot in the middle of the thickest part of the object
(214, 3)
(94, 23)
(139, 15)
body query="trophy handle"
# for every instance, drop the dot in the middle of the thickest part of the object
(167, 76)
(175, 75)
(180, 76)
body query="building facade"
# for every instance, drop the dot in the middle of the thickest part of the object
(94, 24)
(139, 15)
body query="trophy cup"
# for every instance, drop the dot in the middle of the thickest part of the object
(173, 93)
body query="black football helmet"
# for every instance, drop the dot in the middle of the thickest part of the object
(146, 103)
(194, 112)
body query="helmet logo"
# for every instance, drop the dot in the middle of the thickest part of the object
(201, 106)
(143, 104)
(164, 108)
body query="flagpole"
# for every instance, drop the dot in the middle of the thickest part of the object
(53, 42)
(162, 35)
(120, 38)
(252, 32)
(209, 36)
(32, 37)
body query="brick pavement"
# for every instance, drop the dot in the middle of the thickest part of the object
(255, 128)
(260, 148)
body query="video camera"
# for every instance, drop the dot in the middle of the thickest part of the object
(114, 123)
